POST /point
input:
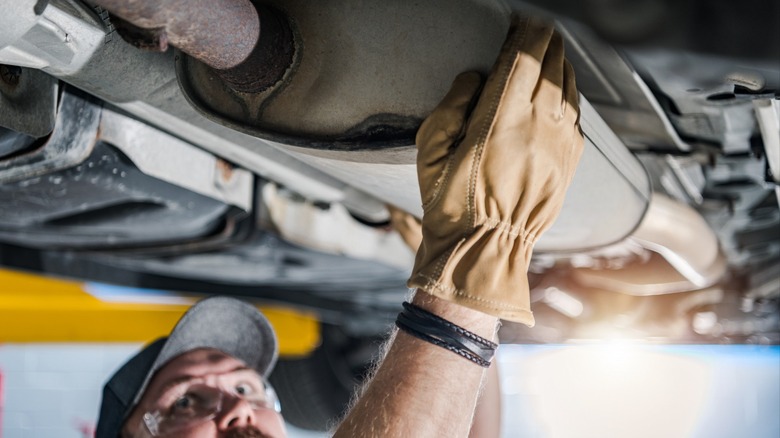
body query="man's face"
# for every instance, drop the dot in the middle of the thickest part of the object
(211, 370)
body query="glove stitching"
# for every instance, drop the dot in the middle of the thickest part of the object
(445, 258)
(435, 284)
(476, 159)
(507, 228)
(441, 183)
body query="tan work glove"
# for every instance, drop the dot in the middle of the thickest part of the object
(493, 176)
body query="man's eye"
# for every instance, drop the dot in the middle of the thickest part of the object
(183, 404)
(244, 389)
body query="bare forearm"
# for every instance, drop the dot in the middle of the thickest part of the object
(420, 389)
(487, 415)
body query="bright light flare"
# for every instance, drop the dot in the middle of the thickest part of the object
(615, 389)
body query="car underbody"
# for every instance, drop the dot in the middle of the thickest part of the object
(124, 162)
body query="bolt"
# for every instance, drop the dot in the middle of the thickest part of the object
(10, 74)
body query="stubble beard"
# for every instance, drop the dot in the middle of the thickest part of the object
(246, 432)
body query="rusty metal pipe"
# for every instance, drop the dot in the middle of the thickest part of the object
(221, 34)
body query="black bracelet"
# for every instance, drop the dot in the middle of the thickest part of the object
(438, 331)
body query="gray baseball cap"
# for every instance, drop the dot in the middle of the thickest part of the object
(227, 324)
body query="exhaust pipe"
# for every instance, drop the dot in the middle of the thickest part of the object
(685, 254)
(249, 48)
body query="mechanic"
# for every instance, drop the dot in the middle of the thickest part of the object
(494, 162)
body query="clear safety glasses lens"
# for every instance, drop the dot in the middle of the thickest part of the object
(202, 403)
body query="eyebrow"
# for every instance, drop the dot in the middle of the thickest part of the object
(176, 381)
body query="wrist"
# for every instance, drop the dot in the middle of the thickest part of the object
(475, 321)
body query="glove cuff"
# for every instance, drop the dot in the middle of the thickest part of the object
(485, 271)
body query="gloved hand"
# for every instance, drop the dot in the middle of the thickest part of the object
(408, 226)
(493, 175)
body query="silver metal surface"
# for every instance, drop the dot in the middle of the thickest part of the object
(430, 43)
(251, 153)
(607, 198)
(618, 93)
(740, 211)
(333, 230)
(144, 84)
(702, 89)
(608, 195)
(28, 100)
(729, 122)
(730, 194)
(681, 177)
(654, 276)
(686, 174)
(167, 158)
(94, 183)
(367, 72)
(605, 202)
(59, 36)
(70, 143)
(768, 116)
(684, 239)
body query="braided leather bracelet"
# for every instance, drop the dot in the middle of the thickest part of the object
(428, 327)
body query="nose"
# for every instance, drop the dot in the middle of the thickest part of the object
(237, 412)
